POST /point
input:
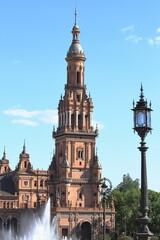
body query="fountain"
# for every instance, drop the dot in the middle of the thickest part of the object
(36, 228)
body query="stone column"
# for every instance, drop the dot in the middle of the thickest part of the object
(69, 118)
(76, 119)
(83, 119)
(90, 119)
(66, 118)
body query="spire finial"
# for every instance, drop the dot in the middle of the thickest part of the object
(24, 147)
(133, 103)
(4, 153)
(141, 94)
(75, 17)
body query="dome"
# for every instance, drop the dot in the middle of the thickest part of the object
(75, 48)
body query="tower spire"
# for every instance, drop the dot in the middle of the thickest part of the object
(24, 147)
(75, 17)
(4, 153)
(75, 49)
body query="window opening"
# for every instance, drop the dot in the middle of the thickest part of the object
(78, 78)
(72, 121)
(78, 97)
(80, 154)
(25, 164)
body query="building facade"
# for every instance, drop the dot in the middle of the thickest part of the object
(21, 189)
(73, 180)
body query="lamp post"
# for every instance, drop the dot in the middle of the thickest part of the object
(105, 192)
(142, 125)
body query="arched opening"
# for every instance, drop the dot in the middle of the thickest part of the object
(80, 195)
(79, 122)
(41, 183)
(86, 231)
(72, 121)
(8, 224)
(14, 225)
(1, 222)
(25, 164)
(78, 78)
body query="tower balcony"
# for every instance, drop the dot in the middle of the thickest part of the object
(75, 85)
(69, 131)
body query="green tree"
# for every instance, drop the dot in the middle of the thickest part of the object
(154, 212)
(127, 204)
(126, 199)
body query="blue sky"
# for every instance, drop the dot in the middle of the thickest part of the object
(121, 40)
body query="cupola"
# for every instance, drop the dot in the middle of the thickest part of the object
(75, 49)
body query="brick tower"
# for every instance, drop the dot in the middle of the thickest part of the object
(75, 171)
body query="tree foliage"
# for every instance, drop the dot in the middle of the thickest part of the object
(127, 204)
(126, 199)
(154, 212)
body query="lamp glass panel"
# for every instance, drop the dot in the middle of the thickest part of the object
(148, 119)
(141, 119)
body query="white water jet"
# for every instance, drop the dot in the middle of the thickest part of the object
(35, 228)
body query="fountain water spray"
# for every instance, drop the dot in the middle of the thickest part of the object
(35, 228)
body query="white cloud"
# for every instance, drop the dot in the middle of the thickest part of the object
(47, 116)
(134, 38)
(97, 124)
(129, 28)
(131, 36)
(21, 113)
(150, 41)
(25, 122)
(157, 40)
(158, 30)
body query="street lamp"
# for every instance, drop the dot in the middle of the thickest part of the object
(105, 192)
(142, 125)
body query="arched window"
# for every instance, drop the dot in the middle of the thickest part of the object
(80, 153)
(41, 183)
(8, 224)
(14, 224)
(80, 195)
(78, 78)
(25, 164)
(72, 121)
(80, 122)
